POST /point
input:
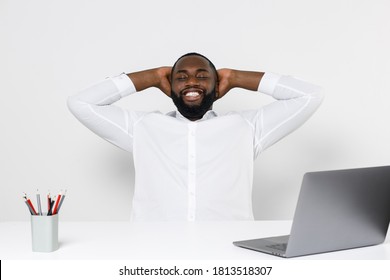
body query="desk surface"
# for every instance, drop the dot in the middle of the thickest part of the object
(168, 240)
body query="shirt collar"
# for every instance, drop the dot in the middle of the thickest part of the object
(209, 115)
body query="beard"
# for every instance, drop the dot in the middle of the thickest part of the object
(195, 111)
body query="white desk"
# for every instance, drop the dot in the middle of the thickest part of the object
(147, 241)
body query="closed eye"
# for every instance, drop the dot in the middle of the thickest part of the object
(181, 78)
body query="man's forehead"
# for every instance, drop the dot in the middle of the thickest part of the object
(192, 62)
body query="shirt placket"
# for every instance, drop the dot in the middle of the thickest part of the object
(191, 171)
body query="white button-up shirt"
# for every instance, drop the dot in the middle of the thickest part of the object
(200, 170)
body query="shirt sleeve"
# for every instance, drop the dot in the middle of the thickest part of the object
(93, 108)
(296, 101)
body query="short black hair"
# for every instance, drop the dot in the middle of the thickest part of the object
(196, 54)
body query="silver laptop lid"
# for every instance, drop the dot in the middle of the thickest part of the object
(341, 209)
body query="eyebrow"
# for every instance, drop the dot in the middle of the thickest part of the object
(197, 70)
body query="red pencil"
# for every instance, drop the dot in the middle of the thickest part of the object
(32, 206)
(56, 205)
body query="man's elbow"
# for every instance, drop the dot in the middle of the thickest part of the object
(319, 94)
(316, 96)
(76, 106)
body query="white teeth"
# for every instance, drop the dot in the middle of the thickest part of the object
(192, 93)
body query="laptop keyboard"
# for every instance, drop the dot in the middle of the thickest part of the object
(279, 246)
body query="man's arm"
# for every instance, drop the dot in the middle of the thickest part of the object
(296, 101)
(157, 77)
(94, 107)
(231, 78)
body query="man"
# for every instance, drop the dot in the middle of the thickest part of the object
(193, 164)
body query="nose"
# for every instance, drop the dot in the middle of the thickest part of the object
(192, 80)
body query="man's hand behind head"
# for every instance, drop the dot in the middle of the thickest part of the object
(164, 74)
(225, 78)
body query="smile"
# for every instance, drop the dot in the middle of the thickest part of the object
(192, 94)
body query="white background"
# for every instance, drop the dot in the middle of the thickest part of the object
(50, 50)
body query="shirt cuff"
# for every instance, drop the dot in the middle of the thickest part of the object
(124, 84)
(268, 83)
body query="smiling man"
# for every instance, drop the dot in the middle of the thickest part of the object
(194, 86)
(193, 164)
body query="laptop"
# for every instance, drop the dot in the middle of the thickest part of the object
(336, 210)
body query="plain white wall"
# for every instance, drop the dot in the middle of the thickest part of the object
(52, 49)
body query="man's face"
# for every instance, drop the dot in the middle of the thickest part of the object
(194, 85)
